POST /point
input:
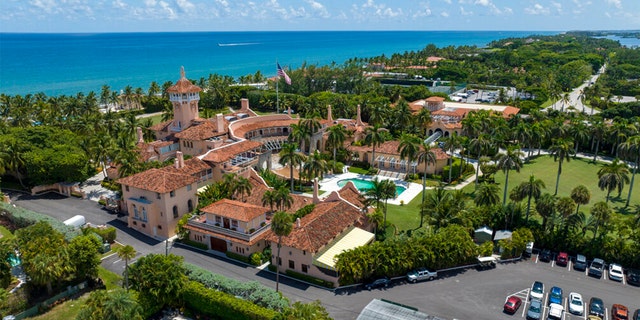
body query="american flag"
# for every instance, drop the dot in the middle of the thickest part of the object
(281, 73)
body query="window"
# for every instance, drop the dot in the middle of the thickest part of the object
(234, 223)
(126, 188)
(292, 264)
(175, 212)
(172, 193)
(144, 213)
(190, 205)
(305, 268)
(159, 227)
(279, 261)
(157, 195)
(135, 223)
(188, 187)
(135, 211)
(218, 219)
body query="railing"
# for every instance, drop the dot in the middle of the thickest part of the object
(229, 232)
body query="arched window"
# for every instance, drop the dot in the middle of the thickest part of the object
(135, 211)
(175, 212)
(190, 205)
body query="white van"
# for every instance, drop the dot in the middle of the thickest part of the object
(75, 221)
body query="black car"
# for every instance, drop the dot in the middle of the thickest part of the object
(596, 307)
(596, 268)
(545, 255)
(633, 277)
(636, 315)
(378, 283)
(581, 263)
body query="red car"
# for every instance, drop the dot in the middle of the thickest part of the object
(512, 304)
(562, 259)
(619, 312)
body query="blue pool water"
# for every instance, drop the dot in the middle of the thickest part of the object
(364, 185)
(14, 261)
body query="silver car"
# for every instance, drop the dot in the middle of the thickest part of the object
(535, 310)
(421, 274)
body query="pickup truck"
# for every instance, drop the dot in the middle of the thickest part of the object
(421, 274)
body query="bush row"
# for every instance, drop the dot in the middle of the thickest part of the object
(23, 218)
(107, 234)
(196, 244)
(251, 291)
(221, 305)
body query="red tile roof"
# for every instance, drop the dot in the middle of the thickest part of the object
(191, 167)
(226, 237)
(235, 210)
(244, 129)
(160, 126)
(228, 152)
(158, 180)
(350, 193)
(391, 148)
(203, 131)
(183, 85)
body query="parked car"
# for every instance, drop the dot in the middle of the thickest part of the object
(555, 311)
(545, 255)
(378, 283)
(596, 267)
(633, 277)
(555, 295)
(592, 317)
(576, 306)
(512, 304)
(421, 274)
(486, 263)
(528, 249)
(619, 312)
(636, 315)
(562, 259)
(581, 263)
(535, 310)
(615, 272)
(596, 307)
(537, 290)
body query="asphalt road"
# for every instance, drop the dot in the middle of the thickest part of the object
(464, 294)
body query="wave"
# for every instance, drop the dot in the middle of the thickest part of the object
(238, 44)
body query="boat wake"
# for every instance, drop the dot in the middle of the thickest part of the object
(237, 44)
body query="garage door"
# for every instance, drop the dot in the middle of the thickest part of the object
(218, 244)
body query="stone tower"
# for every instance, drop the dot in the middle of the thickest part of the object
(184, 97)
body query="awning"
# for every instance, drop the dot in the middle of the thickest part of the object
(356, 237)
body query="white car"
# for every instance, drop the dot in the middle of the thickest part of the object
(615, 272)
(555, 311)
(576, 305)
(537, 290)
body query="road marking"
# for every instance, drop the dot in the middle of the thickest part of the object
(569, 265)
(604, 273)
(623, 280)
(116, 261)
(537, 255)
(606, 314)
(526, 301)
(553, 263)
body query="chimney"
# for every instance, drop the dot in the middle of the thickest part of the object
(139, 134)
(297, 222)
(180, 159)
(359, 118)
(315, 191)
(220, 122)
(176, 163)
(244, 104)
(289, 111)
(329, 114)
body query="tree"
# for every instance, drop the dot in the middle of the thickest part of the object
(336, 137)
(289, 156)
(112, 305)
(243, 186)
(444, 207)
(158, 279)
(376, 217)
(84, 255)
(546, 208)
(315, 165)
(451, 143)
(511, 160)
(487, 195)
(306, 311)
(281, 225)
(561, 150)
(425, 155)
(374, 136)
(613, 175)
(602, 214)
(529, 189)
(631, 148)
(126, 253)
(479, 144)
(269, 197)
(565, 207)
(381, 190)
(409, 147)
(580, 195)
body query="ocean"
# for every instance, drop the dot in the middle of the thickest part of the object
(57, 64)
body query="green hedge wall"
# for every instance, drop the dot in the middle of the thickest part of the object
(220, 305)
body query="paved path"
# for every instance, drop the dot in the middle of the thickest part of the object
(574, 97)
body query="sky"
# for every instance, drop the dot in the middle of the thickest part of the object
(83, 16)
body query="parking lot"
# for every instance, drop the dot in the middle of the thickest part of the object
(571, 280)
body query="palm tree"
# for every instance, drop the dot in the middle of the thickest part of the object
(311, 127)
(336, 137)
(530, 189)
(283, 198)
(377, 218)
(243, 186)
(631, 148)
(511, 160)
(289, 156)
(281, 225)
(602, 214)
(423, 120)
(613, 175)
(315, 166)
(487, 195)
(374, 136)
(580, 195)
(409, 147)
(300, 134)
(546, 208)
(14, 159)
(443, 207)
(381, 190)
(425, 155)
(480, 144)
(452, 142)
(561, 150)
(597, 132)
(565, 99)
(565, 207)
(270, 198)
(126, 253)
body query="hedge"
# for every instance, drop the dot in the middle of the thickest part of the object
(238, 257)
(108, 234)
(310, 279)
(251, 291)
(23, 218)
(196, 244)
(221, 305)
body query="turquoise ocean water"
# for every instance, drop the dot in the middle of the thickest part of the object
(70, 63)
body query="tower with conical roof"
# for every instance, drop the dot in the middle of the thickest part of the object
(184, 97)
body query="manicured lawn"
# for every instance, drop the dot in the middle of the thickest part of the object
(111, 280)
(358, 170)
(6, 234)
(405, 217)
(66, 310)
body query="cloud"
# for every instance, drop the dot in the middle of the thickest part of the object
(615, 3)
(48, 6)
(424, 11)
(464, 12)
(185, 5)
(319, 8)
(444, 14)
(483, 2)
(537, 9)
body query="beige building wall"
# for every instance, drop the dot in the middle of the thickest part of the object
(299, 258)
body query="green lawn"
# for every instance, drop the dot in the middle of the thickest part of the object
(405, 217)
(6, 234)
(111, 280)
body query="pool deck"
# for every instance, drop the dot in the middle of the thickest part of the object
(330, 183)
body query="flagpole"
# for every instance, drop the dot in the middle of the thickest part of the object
(277, 97)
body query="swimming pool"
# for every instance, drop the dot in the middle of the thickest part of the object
(364, 185)
(14, 261)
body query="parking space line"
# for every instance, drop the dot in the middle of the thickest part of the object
(604, 273)
(526, 301)
(569, 265)
(537, 256)
(553, 262)
(623, 280)
(564, 305)
(606, 314)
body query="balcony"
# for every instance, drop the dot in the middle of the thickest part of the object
(229, 232)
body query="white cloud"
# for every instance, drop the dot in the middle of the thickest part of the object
(483, 2)
(319, 8)
(464, 12)
(48, 6)
(615, 3)
(424, 11)
(447, 1)
(118, 4)
(185, 5)
(537, 9)
(444, 14)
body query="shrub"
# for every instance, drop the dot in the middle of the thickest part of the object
(252, 291)
(111, 185)
(238, 257)
(310, 279)
(486, 249)
(255, 258)
(15, 303)
(195, 244)
(221, 305)
(300, 213)
(23, 218)
(107, 234)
